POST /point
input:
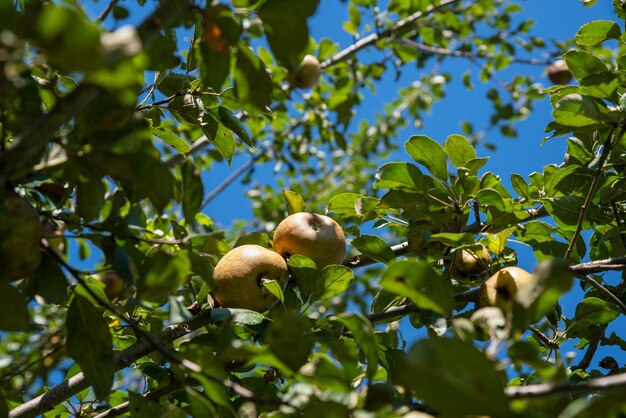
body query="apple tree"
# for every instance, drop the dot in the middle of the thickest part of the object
(115, 117)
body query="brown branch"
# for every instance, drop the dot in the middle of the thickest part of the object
(394, 29)
(107, 10)
(592, 191)
(548, 389)
(462, 54)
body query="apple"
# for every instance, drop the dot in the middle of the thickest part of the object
(500, 289)
(315, 236)
(471, 264)
(114, 285)
(20, 231)
(239, 277)
(558, 72)
(307, 74)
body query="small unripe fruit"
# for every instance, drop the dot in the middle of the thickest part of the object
(114, 285)
(471, 265)
(317, 237)
(500, 289)
(558, 72)
(239, 277)
(307, 74)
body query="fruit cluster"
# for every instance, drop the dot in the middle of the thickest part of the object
(241, 274)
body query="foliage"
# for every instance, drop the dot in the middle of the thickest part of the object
(109, 134)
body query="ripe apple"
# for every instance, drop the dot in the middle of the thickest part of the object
(500, 289)
(317, 237)
(239, 277)
(20, 231)
(307, 74)
(114, 285)
(471, 265)
(558, 72)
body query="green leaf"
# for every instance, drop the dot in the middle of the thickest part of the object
(582, 64)
(577, 111)
(89, 197)
(440, 370)
(363, 331)
(374, 247)
(598, 31)
(233, 123)
(290, 326)
(351, 204)
(418, 281)
(401, 176)
(239, 316)
(14, 314)
(142, 407)
(429, 153)
(335, 280)
(274, 288)
(308, 277)
(193, 190)
(221, 32)
(162, 273)
(459, 150)
(89, 343)
(252, 83)
(595, 311)
(220, 136)
(492, 198)
(520, 186)
(295, 202)
(48, 281)
(286, 29)
(257, 238)
(170, 138)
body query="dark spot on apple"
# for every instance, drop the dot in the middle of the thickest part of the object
(504, 293)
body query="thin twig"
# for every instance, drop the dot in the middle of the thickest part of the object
(397, 27)
(107, 10)
(544, 338)
(592, 191)
(606, 292)
(573, 387)
(463, 54)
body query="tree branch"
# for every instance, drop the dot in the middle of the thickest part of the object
(606, 150)
(394, 29)
(548, 389)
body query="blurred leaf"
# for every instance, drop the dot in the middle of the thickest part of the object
(308, 277)
(286, 29)
(295, 202)
(374, 247)
(257, 238)
(89, 197)
(48, 281)
(418, 281)
(362, 330)
(429, 153)
(290, 326)
(239, 316)
(142, 407)
(14, 314)
(162, 273)
(89, 343)
(474, 384)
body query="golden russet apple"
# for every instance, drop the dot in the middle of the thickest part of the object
(239, 277)
(307, 74)
(471, 265)
(317, 237)
(500, 289)
(558, 72)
